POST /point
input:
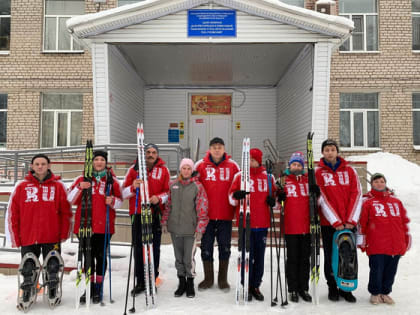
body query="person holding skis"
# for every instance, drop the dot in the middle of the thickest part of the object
(260, 201)
(102, 174)
(158, 182)
(341, 203)
(384, 226)
(216, 171)
(296, 225)
(39, 215)
(185, 217)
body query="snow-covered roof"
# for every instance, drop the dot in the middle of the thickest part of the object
(88, 25)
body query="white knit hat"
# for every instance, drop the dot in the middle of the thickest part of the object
(188, 162)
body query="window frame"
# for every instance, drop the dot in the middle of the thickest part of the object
(364, 111)
(350, 16)
(57, 19)
(6, 52)
(55, 121)
(5, 111)
(416, 146)
(304, 4)
(414, 14)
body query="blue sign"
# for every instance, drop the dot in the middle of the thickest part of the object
(173, 135)
(212, 23)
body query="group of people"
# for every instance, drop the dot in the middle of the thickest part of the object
(200, 204)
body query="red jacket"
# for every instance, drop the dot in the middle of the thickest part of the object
(260, 212)
(39, 213)
(98, 203)
(158, 180)
(216, 180)
(296, 205)
(341, 194)
(384, 224)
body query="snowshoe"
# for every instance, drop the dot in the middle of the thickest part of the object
(29, 270)
(344, 260)
(52, 276)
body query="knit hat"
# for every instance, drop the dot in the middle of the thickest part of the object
(376, 176)
(100, 153)
(216, 140)
(188, 162)
(40, 155)
(329, 142)
(256, 154)
(151, 145)
(297, 157)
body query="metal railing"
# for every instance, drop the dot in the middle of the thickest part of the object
(14, 164)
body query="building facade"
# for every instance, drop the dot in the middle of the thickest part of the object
(46, 89)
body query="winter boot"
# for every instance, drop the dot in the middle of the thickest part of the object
(208, 276)
(96, 297)
(387, 299)
(92, 290)
(348, 296)
(333, 294)
(190, 288)
(181, 287)
(294, 297)
(256, 293)
(305, 296)
(375, 299)
(222, 276)
(140, 287)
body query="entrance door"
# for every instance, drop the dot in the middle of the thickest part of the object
(210, 116)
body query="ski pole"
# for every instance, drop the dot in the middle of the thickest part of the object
(107, 231)
(282, 235)
(268, 167)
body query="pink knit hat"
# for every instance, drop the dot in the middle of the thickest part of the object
(188, 162)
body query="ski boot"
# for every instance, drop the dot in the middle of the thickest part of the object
(52, 276)
(29, 270)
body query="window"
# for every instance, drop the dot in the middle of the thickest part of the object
(415, 8)
(3, 120)
(61, 121)
(359, 120)
(416, 119)
(364, 14)
(124, 2)
(4, 25)
(56, 36)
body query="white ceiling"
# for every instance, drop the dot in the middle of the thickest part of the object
(211, 64)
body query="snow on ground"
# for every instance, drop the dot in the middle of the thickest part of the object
(403, 177)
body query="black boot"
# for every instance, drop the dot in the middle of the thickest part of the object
(140, 287)
(333, 294)
(181, 287)
(96, 297)
(348, 296)
(305, 296)
(190, 288)
(294, 297)
(256, 293)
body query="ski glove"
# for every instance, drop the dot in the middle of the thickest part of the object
(240, 194)
(315, 188)
(271, 201)
(281, 196)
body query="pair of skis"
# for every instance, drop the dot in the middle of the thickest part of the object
(242, 289)
(146, 228)
(28, 276)
(315, 227)
(85, 230)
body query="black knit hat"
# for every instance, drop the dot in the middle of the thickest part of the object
(100, 153)
(40, 155)
(216, 140)
(376, 176)
(329, 142)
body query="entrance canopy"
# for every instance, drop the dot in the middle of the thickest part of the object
(275, 69)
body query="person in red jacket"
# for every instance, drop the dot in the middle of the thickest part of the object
(100, 201)
(296, 224)
(215, 171)
(260, 200)
(158, 181)
(384, 225)
(39, 215)
(341, 203)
